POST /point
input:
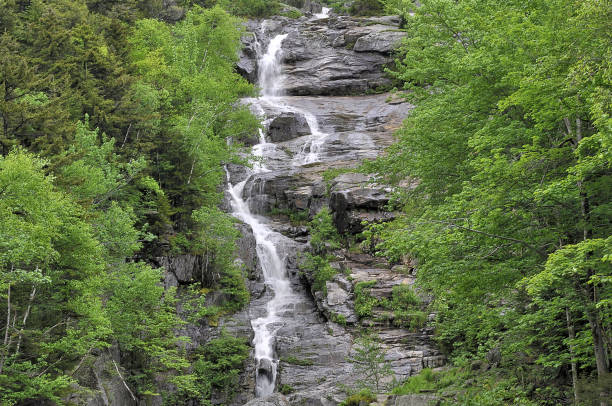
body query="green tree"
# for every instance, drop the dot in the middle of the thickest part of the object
(50, 263)
(190, 67)
(370, 363)
(509, 143)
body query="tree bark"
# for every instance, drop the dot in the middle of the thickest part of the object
(572, 335)
(601, 356)
(6, 331)
(25, 319)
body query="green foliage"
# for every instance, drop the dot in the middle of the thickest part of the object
(364, 396)
(286, 389)
(292, 13)
(252, 8)
(218, 365)
(323, 239)
(469, 387)
(366, 8)
(510, 147)
(323, 234)
(423, 382)
(338, 318)
(321, 270)
(189, 68)
(140, 170)
(369, 362)
(49, 265)
(216, 243)
(364, 302)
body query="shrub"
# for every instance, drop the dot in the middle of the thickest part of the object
(292, 13)
(425, 381)
(323, 234)
(218, 366)
(364, 302)
(286, 389)
(251, 8)
(365, 395)
(321, 270)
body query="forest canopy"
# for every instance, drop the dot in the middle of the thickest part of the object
(510, 148)
(113, 127)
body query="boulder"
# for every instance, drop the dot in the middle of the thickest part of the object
(276, 399)
(287, 126)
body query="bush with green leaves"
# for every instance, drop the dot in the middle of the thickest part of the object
(323, 234)
(364, 302)
(363, 397)
(251, 8)
(320, 269)
(217, 367)
(370, 363)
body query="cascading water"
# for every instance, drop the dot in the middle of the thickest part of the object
(323, 14)
(270, 79)
(272, 264)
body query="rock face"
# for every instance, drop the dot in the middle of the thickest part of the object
(273, 400)
(287, 126)
(314, 347)
(335, 58)
(102, 375)
(339, 55)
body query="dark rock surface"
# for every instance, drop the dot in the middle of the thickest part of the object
(287, 126)
(275, 399)
(102, 374)
(339, 55)
(312, 346)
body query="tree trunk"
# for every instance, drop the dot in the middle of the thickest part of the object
(8, 327)
(601, 356)
(572, 335)
(25, 319)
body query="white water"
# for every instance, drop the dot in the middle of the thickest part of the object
(272, 264)
(323, 14)
(270, 78)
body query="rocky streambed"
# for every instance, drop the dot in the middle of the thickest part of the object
(325, 120)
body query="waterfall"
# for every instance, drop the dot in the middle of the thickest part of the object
(323, 14)
(272, 264)
(270, 79)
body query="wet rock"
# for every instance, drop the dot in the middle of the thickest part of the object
(237, 173)
(354, 200)
(287, 126)
(247, 252)
(264, 368)
(320, 56)
(181, 269)
(276, 399)
(247, 62)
